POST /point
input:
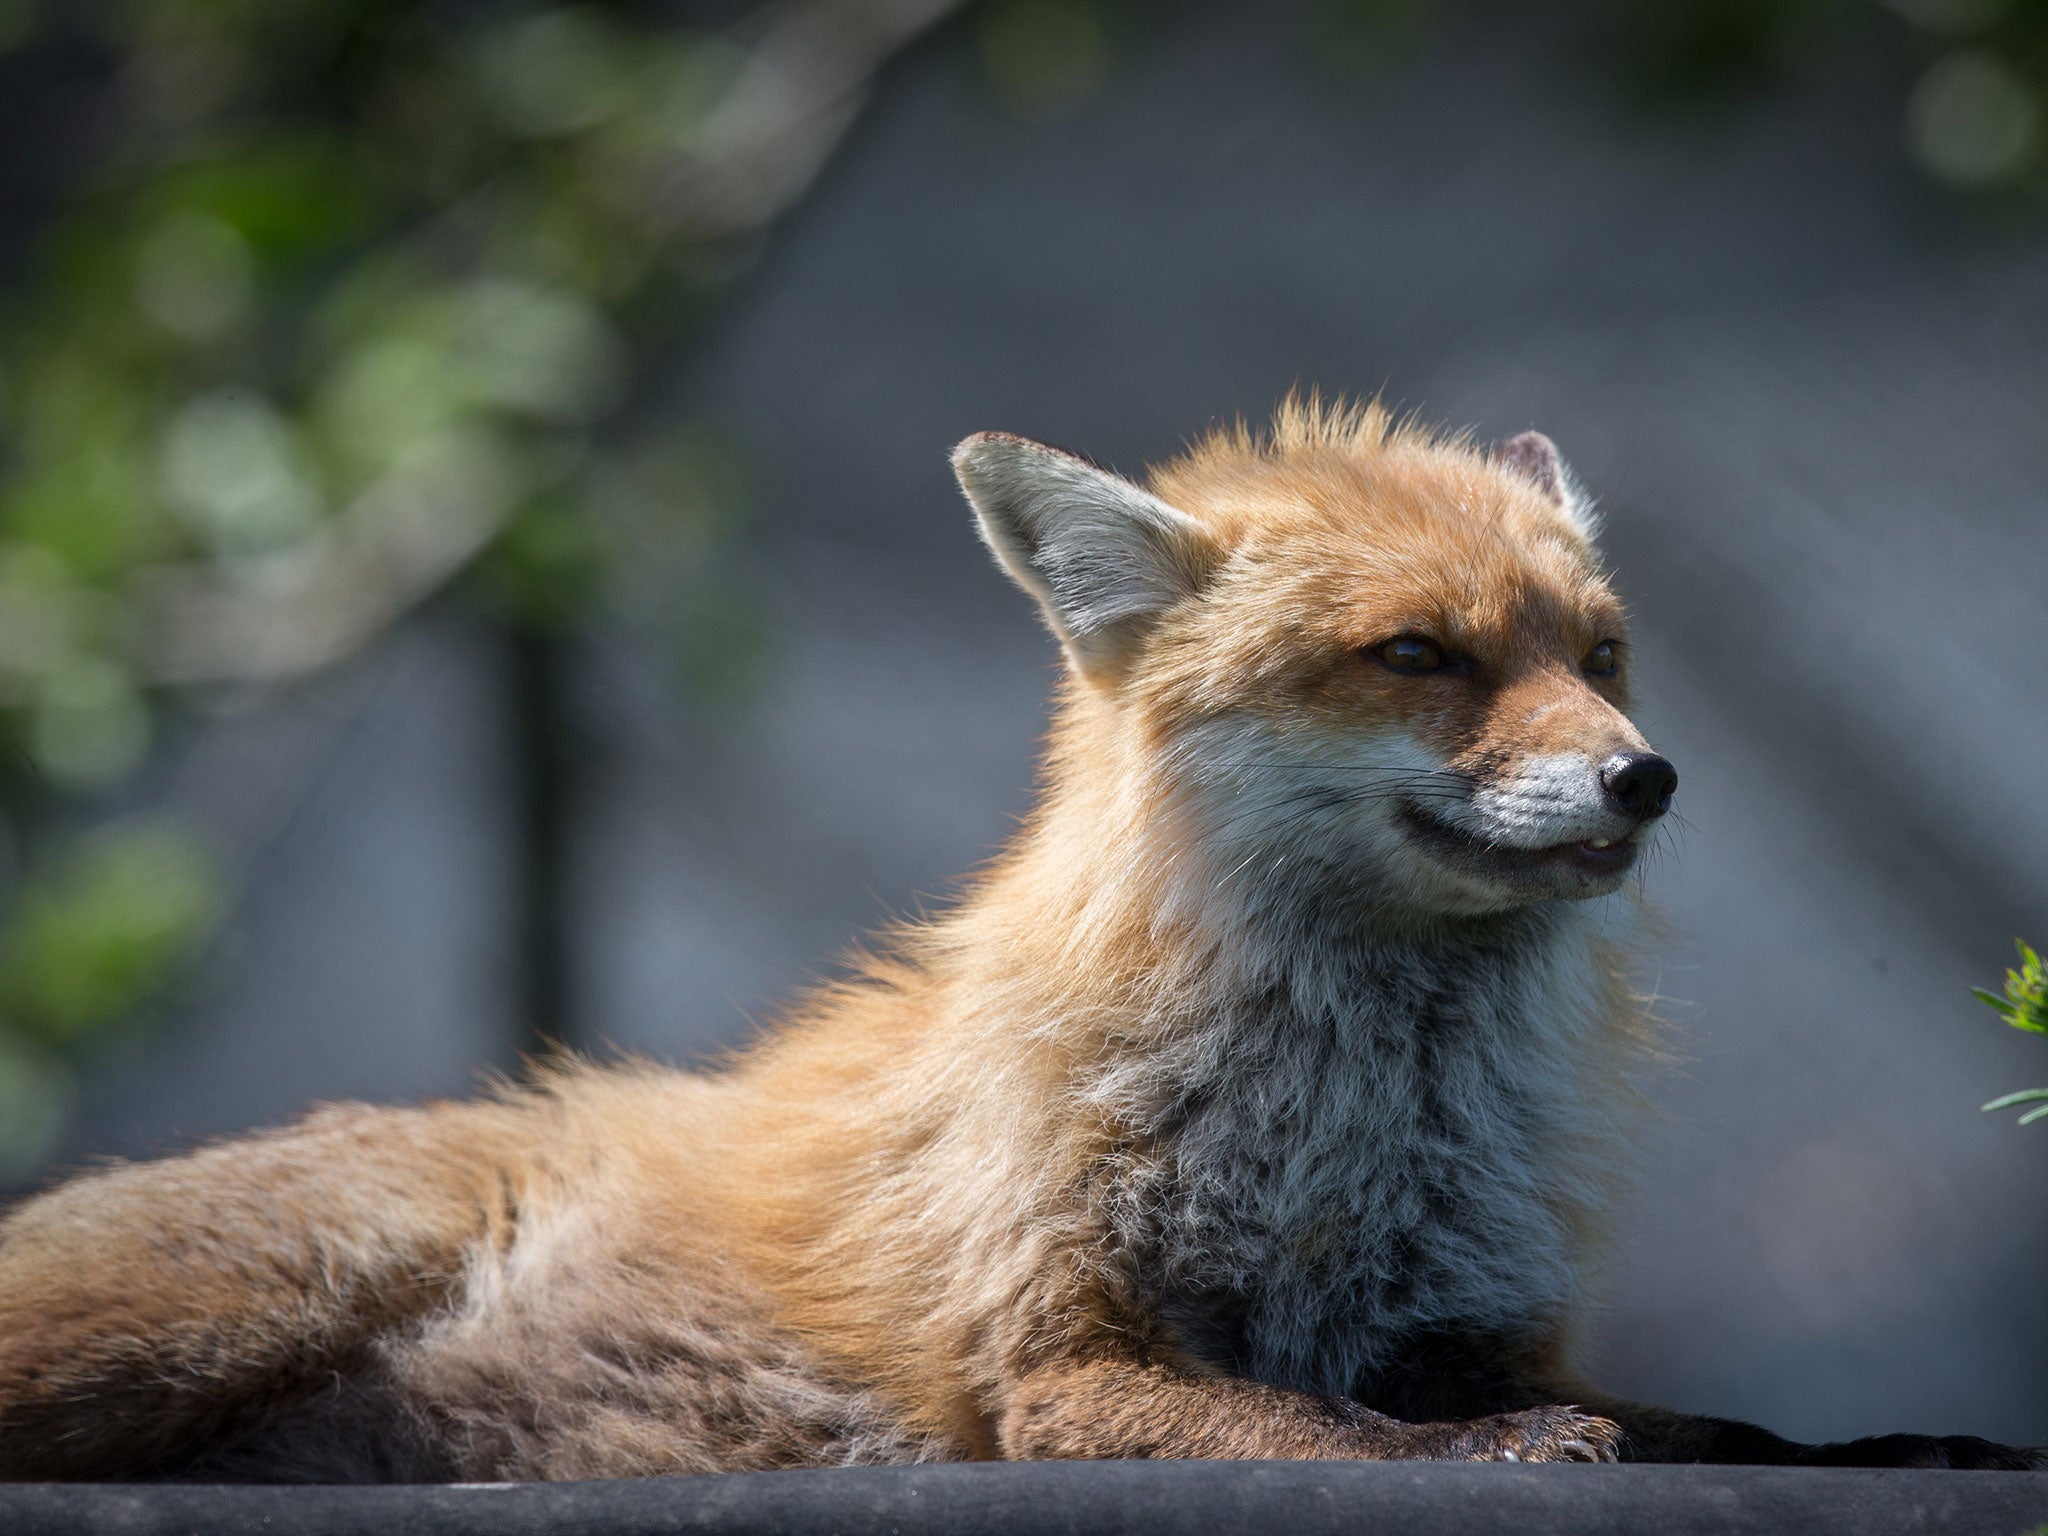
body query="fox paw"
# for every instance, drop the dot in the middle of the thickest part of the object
(1537, 1434)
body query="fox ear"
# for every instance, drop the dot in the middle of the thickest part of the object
(1535, 457)
(1102, 556)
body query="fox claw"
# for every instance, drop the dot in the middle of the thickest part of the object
(1540, 1434)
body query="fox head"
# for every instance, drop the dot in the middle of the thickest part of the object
(1349, 656)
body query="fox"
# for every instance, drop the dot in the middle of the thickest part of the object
(1270, 1094)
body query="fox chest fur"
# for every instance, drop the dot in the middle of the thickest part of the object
(1378, 1151)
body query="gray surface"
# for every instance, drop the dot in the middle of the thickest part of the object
(1212, 1498)
(1813, 407)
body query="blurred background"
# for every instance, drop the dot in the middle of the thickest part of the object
(477, 561)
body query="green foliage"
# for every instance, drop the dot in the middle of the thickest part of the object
(2025, 1002)
(348, 311)
(345, 313)
(1973, 116)
(348, 272)
(1971, 111)
(2024, 1005)
(95, 936)
(92, 937)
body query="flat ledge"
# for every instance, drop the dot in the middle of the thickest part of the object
(1142, 1498)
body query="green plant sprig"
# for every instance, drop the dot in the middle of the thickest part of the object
(2023, 1006)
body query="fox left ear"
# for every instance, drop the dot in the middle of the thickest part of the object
(1535, 457)
(1103, 557)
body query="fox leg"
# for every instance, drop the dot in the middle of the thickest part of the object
(150, 1311)
(1659, 1434)
(1107, 1408)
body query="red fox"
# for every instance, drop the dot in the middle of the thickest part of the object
(1266, 1096)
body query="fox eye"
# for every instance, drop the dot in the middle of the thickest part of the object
(1601, 661)
(1412, 653)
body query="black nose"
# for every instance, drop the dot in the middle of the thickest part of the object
(1642, 783)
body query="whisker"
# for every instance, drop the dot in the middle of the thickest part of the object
(1332, 796)
(1312, 800)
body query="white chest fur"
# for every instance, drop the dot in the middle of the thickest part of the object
(1390, 1141)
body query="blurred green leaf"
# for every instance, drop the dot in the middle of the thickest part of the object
(195, 276)
(92, 938)
(549, 565)
(18, 20)
(88, 726)
(2024, 1096)
(1971, 121)
(234, 471)
(35, 1096)
(291, 194)
(542, 352)
(353, 291)
(1044, 57)
(1692, 54)
(556, 71)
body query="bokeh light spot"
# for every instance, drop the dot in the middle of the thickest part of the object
(233, 470)
(1971, 122)
(194, 276)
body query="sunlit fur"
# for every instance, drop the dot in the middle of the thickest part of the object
(1214, 1073)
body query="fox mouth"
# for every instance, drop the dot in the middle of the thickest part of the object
(1595, 860)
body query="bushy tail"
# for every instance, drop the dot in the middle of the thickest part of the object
(152, 1312)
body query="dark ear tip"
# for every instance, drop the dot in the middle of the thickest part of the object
(1535, 456)
(1529, 447)
(977, 451)
(973, 449)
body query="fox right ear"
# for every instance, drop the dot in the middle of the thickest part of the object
(1102, 556)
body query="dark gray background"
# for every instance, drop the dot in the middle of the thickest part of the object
(1810, 396)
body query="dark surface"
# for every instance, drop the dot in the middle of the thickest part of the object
(1096, 1497)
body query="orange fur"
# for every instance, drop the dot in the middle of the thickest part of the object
(1227, 1113)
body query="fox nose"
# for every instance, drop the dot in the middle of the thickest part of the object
(1641, 783)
